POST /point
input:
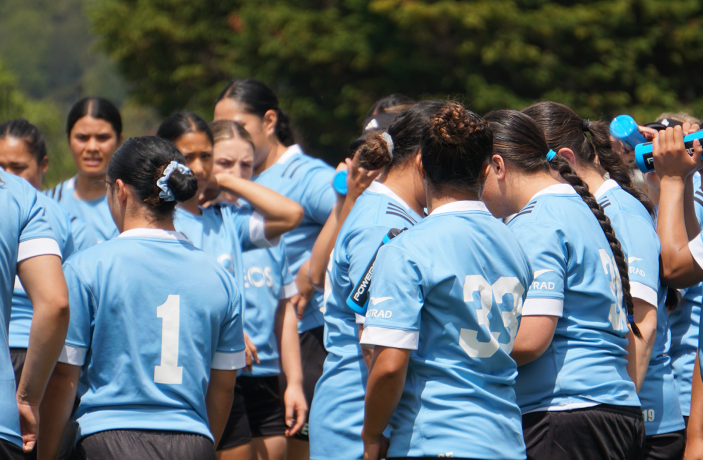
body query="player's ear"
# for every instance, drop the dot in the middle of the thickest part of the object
(122, 191)
(418, 163)
(568, 154)
(497, 164)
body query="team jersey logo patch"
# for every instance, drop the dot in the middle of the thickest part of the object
(376, 300)
(537, 285)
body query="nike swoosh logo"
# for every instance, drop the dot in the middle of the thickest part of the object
(632, 259)
(377, 300)
(542, 272)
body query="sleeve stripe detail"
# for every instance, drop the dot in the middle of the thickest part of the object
(387, 337)
(359, 319)
(543, 306)
(228, 361)
(74, 356)
(37, 247)
(257, 232)
(696, 248)
(644, 292)
(288, 291)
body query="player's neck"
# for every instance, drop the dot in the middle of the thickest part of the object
(528, 186)
(139, 221)
(592, 178)
(435, 200)
(192, 205)
(404, 186)
(274, 155)
(89, 188)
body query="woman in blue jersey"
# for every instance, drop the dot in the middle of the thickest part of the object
(29, 251)
(395, 201)
(573, 387)
(269, 323)
(586, 146)
(281, 165)
(94, 130)
(155, 326)
(445, 303)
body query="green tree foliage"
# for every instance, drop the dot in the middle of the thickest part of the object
(46, 115)
(329, 60)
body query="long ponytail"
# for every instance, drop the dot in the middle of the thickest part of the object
(520, 141)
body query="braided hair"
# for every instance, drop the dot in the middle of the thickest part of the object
(521, 142)
(564, 128)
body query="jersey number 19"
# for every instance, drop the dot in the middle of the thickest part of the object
(169, 372)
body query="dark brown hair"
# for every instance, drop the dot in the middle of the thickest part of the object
(519, 140)
(563, 128)
(228, 129)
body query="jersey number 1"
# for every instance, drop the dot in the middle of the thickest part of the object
(169, 372)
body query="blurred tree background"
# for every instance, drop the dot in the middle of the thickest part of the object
(329, 60)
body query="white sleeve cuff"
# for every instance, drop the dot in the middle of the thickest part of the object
(543, 306)
(75, 356)
(37, 247)
(644, 292)
(288, 291)
(360, 319)
(696, 248)
(228, 361)
(257, 233)
(387, 337)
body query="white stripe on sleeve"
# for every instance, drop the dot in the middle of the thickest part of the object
(644, 292)
(288, 291)
(543, 306)
(37, 247)
(359, 318)
(257, 233)
(75, 356)
(387, 337)
(228, 361)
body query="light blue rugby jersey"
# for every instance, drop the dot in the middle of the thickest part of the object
(451, 289)
(635, 230)
(22, 311)
(267, 279)
(684, 323)
(150, 316)
(24, 233)
(95, 214)
(576, 279)
(307, 181)
(337, 413)
(223, 231)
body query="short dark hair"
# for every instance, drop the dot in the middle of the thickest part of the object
(28, 133)
(95, 107)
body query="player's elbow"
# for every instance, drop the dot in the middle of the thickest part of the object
(56, 308)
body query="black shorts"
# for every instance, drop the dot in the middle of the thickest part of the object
(667, 446)
(312, 356)
(138, 444)
(603, 431)
(18, 357)
(256, 412)
(10, 451)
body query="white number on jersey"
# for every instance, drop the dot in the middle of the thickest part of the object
(169, 372)
(617, 316)
(468, 338)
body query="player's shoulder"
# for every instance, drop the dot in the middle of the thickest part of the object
(59, 190)
(617, 200)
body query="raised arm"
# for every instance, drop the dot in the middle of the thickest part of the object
(280, 214)
(45, 285)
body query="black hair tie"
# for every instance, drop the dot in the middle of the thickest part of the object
(586, 124)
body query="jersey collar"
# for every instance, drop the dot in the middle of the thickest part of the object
(383, 189)
(153, 233)
(557, 189)
(607, 185)
(292, 150)
(457, 206)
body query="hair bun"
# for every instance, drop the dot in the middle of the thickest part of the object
(452, 124)
(183, 186)
(374, 153)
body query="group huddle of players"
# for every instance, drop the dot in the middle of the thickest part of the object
(462, 286)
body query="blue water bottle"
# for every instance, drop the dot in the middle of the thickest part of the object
(624, 129)
(339, 182)
(644, 155)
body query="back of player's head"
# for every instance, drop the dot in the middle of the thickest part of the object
(228, 129)
(95, 107)
(181, 123)
(257, 98)
(406, 133)
(395, 103)
(519, 140)
(141, 161)
(589, 140)
(455, 147)
(23, 130)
